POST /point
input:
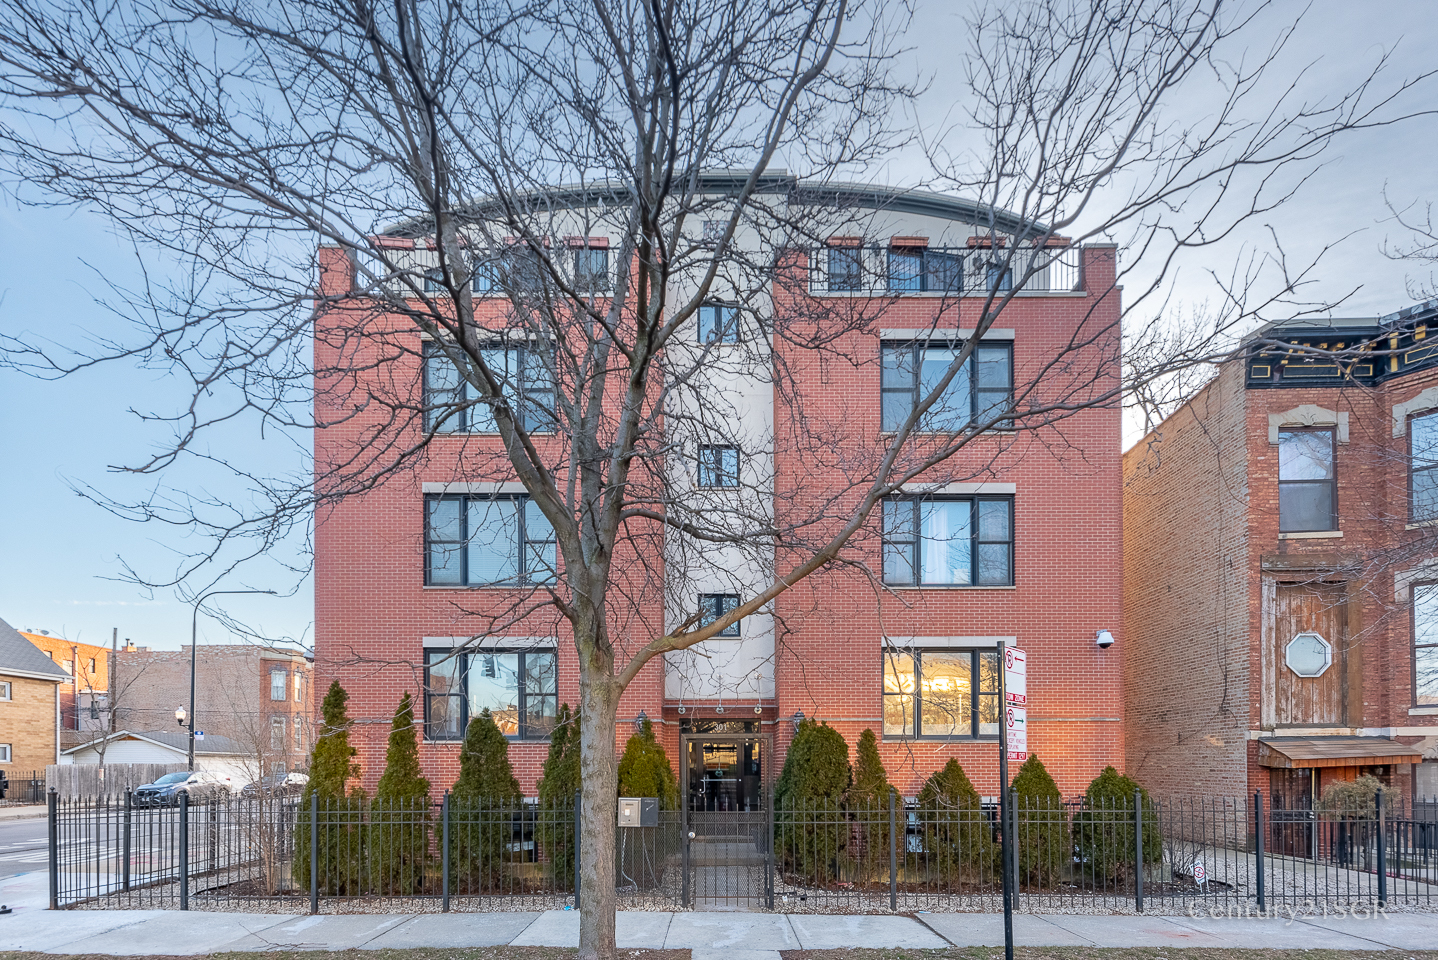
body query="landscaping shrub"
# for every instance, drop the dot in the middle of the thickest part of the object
(482, 806)
(810, 821)
(399, 816)
(644, 770)
(868, 806)
(958, 837)
(558, 783)
(340, 845)
(1103, 829)
(1043, 834)
(1357, 799)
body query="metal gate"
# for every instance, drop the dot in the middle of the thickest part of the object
(728, 825)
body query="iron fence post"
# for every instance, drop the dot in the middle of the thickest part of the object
(893, 851)
(684, 854)
(52, 803)
(1258, 845)
(578, 846)
(444, 852)
(125, 841)
(1138, 851)
(1382, 851)
(314, 852)
(768, 854)
(184, 850)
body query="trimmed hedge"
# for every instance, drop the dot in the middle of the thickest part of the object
(868, 805)
(399, 816)
(482, 806)
(341, 844)
(644, 770)
(958, 836)
(1103, 829)
(1043, 834)
(812, 828)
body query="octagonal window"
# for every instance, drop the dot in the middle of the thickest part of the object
(1308, 655)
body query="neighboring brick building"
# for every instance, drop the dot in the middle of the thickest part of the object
(84, 699)
(30, 685)
(1281, 617)
(393, 604)
(257, 697)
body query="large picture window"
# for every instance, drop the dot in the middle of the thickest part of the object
(1306, 484)
(980, 390)
(1423, 468)
(452, 404)
(936, 541)
(941, 693)
(520, 689)
(1425, 645)
(920, 269)
(487, 541)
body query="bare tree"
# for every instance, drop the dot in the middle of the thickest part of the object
(442, 149)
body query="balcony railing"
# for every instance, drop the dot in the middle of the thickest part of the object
(950, 271)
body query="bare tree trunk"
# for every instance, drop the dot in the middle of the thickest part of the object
(599, 778)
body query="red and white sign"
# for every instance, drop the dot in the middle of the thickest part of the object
(1016, 702)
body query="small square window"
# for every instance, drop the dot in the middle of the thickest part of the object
(718, 466)
(591, 268)
(712, 606)
(713, 230)
(4, 753)
(718, 323)
(4, 689)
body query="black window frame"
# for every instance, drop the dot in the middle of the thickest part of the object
(912, 537)
(1413, 591)
(977, 693)
(718, 330)
(913, 389)
(1331, 481)
(938, 271)
(718, 477)
(536, 416)
(586, 276)
(712, 606)
(522, 544)
(465, 660)
(1413, 470)
(850, 257)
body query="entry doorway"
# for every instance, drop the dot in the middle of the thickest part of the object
(727, 817)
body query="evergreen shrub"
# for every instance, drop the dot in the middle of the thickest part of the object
(483, 807)
(1103, 828)
(340, 844)
(958, 836)
(868, 806)
(1043, 834)
(809, 817)
(558, 783)
(399, 815)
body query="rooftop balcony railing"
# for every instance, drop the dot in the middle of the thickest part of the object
(943, 271)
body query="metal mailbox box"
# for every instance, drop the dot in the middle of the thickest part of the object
(639, 811)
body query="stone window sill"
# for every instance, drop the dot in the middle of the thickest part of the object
(1312, 535)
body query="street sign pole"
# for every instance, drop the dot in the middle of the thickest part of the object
(1006, 834)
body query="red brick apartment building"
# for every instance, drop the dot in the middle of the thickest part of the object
(1280, 571)
(1019, 540)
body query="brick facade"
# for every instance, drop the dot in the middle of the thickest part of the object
(27, 723)
(89, 668)
(374, 615)
(1207, 567)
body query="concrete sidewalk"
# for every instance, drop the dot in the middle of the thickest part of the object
(732, 936)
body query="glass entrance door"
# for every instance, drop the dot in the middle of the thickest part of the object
(725, 776)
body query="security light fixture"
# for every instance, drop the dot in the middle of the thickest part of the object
(758, 709)
(1104, 639)
(798, 718)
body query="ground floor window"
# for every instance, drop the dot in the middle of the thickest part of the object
(520, 689)
(941, 693)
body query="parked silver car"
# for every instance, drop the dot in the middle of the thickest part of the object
(283, 785)
(199, 786)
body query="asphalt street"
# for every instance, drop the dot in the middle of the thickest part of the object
(23, 847)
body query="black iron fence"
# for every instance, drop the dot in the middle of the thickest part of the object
(1174, 855)
(21, 788)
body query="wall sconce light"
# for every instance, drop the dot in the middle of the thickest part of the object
(798, 718)
(719, 709)
(1104, 639)
(640, 720)
(758, 709)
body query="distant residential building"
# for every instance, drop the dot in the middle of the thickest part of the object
(257, 697)
(1281, 569)
(214, 754)
(30, 685)
(84, 698)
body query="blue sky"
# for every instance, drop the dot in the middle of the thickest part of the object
(60, 556)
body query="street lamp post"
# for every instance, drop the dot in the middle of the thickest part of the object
(194, 625)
